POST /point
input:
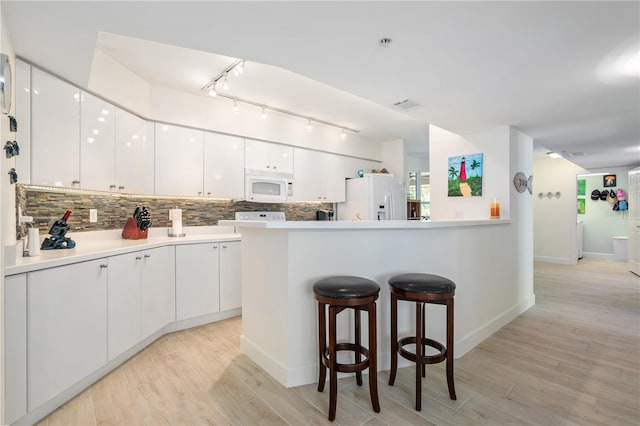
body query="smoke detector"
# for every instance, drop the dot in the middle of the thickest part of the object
(384, 42)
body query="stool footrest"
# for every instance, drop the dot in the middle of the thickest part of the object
(348, 368)
(426, 359)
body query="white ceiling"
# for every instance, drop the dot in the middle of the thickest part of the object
(544, 67)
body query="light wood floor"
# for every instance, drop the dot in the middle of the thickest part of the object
(571, 359)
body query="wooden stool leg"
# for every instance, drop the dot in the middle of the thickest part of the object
(373, 356)
(452, 390)
(333, 371)
(419, 332)
(423, 366)
(322, 345)
(358, 355)
(394, 339)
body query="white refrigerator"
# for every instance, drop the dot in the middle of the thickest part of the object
(374, 196)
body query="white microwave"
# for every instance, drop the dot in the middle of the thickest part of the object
(267, 189)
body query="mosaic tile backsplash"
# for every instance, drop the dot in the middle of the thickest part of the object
(48, 204)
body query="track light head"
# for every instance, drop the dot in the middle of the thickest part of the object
(343, 134)
(225, 83)
(212, 91)
(236, 109)
(309, 126)
(264, 113)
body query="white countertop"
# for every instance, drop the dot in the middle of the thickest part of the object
(364, 224)
(104, 245)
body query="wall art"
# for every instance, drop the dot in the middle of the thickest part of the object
(465, 175)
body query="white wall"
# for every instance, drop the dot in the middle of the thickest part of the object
(494, 144)
(600, 221)
(121, 86)
(7, 195)
(555, 238)
(393, 155)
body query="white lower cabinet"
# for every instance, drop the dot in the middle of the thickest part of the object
(207, 278)
(15, 346)
(141, 295)
(230, 290)
(67, 327)
(157, 290)
(124, 303)
(197, 280)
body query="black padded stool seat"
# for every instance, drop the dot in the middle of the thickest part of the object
(346, 287)
(340, 293)
(421, 289)
(422, 283)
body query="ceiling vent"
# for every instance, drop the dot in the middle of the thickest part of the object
(406, 104)
(573, 154)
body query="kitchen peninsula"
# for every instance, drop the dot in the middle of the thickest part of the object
(282, 260)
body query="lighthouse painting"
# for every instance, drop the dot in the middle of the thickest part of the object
(465, 175)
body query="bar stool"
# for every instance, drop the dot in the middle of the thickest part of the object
(421, 288)
(340, 293)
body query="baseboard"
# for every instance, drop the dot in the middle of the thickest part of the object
(202, 320)
(597, 255)
(473, 339)
(557, 260)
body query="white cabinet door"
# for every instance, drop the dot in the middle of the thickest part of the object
(197, 280)
(15, 347)
(55, 131)
(230, 290)
(281, 158)
(157, 290)
(134, 154)
(319, 176)
(223, 166)
(124, 303)
(178, 161)
(97, 143)
(67, 327)
(23, 116)
(268, 157)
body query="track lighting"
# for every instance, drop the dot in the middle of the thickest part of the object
(235, 106)
(225, 83)
(212, 91)
(343, 134)
(309, 126)
(264, 113)
(238, 69)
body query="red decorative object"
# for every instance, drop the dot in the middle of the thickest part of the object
(131, 231)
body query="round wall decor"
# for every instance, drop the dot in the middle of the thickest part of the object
(520, 182)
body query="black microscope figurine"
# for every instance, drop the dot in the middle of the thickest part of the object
(57, 235)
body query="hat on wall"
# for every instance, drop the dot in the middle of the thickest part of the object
(604, 194)
(621, 195)
(595, 194)
(611, 198)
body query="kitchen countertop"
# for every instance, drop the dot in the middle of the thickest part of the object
(103, 244)
(364, 224)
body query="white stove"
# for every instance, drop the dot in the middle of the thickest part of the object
(265, 216)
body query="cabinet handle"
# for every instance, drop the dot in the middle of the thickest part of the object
(208, 194)
(215, 247)
(103, 265)
(146, 256)
(199, 193)
(75, 182)
(138, 258)
(112, 187)
(121, 188)
(224, 246)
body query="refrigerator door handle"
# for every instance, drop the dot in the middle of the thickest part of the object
(390, 207)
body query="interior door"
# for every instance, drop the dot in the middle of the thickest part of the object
(634, 221)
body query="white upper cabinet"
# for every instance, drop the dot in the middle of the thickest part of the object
(55, 131)
(134, 154)
(268, 157)
(97, 143)
(319, 176)
(223, 166)
(23, 116)
(178, 161)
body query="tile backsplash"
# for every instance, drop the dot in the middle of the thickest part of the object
(46, 204)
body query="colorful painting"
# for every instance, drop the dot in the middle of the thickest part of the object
(465, 175)
(582, 187)
(609, 181)
(581, 206)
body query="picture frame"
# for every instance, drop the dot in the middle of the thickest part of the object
(465, 175)
(609, 181)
